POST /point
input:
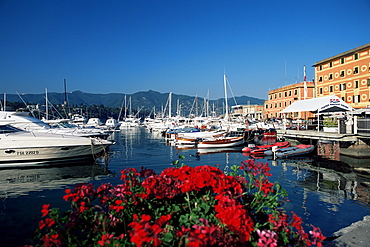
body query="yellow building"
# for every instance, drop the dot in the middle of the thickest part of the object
(346, 75)
(248, 111)
(281, 98)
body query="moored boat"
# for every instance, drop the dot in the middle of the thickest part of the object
(264, 150)
(186, 141)
(221, 142)
(294, 151)
(203, 151)
(112, 124)
(24, 121)
(23, 148)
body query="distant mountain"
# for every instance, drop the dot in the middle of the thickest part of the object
(145, 100)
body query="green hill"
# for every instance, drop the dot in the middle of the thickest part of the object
(140, 100)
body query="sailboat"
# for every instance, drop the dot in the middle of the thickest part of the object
(224, 140)
(128, 120)
(46, 119)
(228, 123)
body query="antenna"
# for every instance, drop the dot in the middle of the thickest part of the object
(65, 92)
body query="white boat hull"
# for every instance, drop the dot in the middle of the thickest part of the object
(44, 154)
(221, 143)
(26, 147)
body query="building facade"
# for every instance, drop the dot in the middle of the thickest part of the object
(248, 111)
(279, 99)
(346, 75)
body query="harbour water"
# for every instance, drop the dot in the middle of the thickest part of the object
(327, 194)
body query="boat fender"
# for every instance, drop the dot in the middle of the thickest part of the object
(246, 149)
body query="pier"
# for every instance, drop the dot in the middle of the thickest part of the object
(354, 145)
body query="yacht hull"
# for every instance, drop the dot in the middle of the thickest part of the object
(28, 147)
(46, 154)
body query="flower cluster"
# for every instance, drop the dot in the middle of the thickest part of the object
(182, 206)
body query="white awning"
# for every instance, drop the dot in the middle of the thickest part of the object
(331, 103)
(362, 111)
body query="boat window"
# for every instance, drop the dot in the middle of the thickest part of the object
(4, 129)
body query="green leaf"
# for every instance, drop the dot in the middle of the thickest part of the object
(168, 237)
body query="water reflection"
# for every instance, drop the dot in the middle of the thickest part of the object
(24, 190)
(328, 194)
(336, 184)
(21, 181)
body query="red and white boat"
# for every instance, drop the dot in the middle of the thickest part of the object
(264, 150)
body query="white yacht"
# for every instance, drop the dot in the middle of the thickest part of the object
(112, 124)
(23, 148)
(23, 121)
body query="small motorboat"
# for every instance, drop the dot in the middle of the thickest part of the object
(264, 150)
(293, 151)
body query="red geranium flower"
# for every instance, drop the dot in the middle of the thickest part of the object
(45, 210)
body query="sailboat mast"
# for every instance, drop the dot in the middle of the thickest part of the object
(4, 109)
(178, 111)
(226, 104)
(47, 104)
(65, 92)
(125, 107)
(169, 104)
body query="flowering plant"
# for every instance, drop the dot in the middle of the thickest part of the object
(182, 206)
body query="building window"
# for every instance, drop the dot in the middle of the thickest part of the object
(320, 90)
(356, 99)
(320, 79)
(343, 98)
(275, 105)
(331, 88)
(320, 68)
(267, 106)
(356, 84)
(342, 86)
(355, 70)
(280, 104)
(342, 73)
(342, 60)
(330, 76)
(295, 92)
(279, 95)
(331, 64)
(275, 96)
(285, 94)
(290, 93)
(356, 56)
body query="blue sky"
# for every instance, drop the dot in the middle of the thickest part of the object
(179, 46)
